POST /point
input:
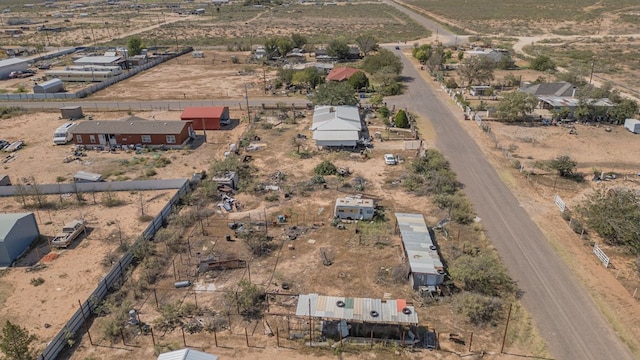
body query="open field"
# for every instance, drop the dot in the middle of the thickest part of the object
(211, 77)
(527, 18)
(231, 25)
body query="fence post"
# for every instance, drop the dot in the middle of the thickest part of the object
(84, 321)
(246, 336)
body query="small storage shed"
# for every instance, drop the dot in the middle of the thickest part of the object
(84, 177)
(17, 232)
(206, 117)
(186, 354)
(71, 112)
(354, 209)
(49, 87)
(632, 125)
(13, 64)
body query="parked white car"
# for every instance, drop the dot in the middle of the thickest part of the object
(389, 159)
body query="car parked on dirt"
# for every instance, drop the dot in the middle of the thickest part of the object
(389, 159)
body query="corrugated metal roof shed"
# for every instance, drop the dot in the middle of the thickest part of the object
(357, 309)
(556, 101)
(98, 60)
(12, 61)
(421, 252)
(186, 354)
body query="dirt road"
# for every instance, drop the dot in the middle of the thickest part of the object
(563, 311)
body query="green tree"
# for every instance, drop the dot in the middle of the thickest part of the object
(285, 45)
(516, 106)
(564, 165)
(476, 69)
(482, 273)
(309, 78)
(338, 48)
(248, 298)
(460, 208)
(358, 80)
(422, 53)
(479, 309)
(402, 120)
(624, 109)
(367, 43)
(285, 76)
(437, 59)
(384, 58)
(134, 46)
(334, 93)
(542, 63)
(271, 47)
(326, 167)
(505, 63)
(15, 342)
(615, 216)
(387, 78)
(298, 40)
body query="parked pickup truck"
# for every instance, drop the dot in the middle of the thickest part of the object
(69, 233)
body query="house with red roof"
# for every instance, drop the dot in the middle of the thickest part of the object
(341, 74)
(206, 117)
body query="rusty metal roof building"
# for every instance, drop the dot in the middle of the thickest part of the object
(364, 310)
(425, 263)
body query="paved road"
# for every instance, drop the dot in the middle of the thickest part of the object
(563, 311)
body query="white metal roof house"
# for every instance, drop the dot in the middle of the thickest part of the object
(424, 261)
(17, 232)
(186, 354)
(336, 126)
(494, 55)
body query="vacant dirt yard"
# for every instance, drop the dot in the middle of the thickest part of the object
(211, 77)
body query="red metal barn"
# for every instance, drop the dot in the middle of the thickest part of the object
(207, 117)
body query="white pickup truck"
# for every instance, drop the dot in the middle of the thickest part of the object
(69, 233)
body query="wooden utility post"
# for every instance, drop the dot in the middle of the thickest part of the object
(84, 321)
(506, 327)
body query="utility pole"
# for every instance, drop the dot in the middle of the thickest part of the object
(246, 96)
(593, 64)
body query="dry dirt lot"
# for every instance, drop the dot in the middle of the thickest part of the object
(363, 261)
(75, 273)
(211, 77)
